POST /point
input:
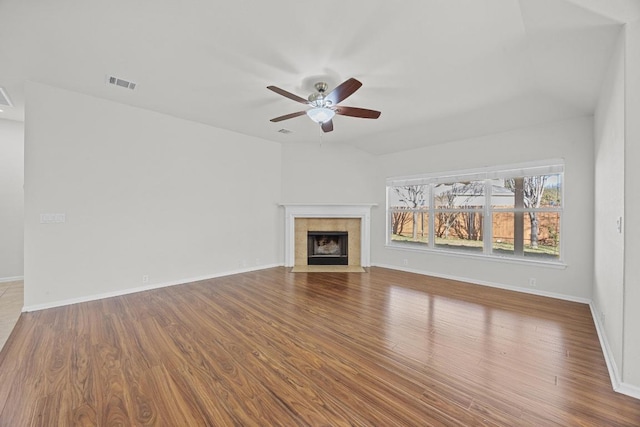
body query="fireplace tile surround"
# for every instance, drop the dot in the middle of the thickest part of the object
(303, 226)
(354, 218)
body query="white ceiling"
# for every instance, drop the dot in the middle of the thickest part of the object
(439, 70)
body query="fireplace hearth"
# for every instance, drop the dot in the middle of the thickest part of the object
(327, 248)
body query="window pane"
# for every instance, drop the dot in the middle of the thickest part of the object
(527, 192)
(552, 195)
(537, 235)
(503, 233)
(503, 193)
(411, 196)
(542, 235)
(410, 226)
(469, 194)
(459, 230)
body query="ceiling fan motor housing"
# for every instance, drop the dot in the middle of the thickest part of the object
(318, 99)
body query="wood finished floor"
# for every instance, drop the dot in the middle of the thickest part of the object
(271, 347)
(11, 302)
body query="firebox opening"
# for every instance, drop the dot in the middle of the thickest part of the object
(327, 248)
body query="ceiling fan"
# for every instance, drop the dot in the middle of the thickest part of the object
(325, 105)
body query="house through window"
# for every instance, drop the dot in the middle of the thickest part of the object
(513, 211)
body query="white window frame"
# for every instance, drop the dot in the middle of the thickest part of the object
(545, 167)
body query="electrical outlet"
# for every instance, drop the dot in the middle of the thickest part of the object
(405, 262)
(145, 279)
(602, 318)
(532, 282)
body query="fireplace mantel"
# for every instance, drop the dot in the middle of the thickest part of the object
(317, 210)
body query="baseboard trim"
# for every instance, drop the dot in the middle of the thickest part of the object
(11, 279)
(614, 374)
(629, 390)
(612, 367)
(87, 298)
(490, 284)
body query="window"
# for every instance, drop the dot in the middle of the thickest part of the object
(410, 214)
(512, 211)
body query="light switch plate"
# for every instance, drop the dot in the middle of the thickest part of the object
(52, 218)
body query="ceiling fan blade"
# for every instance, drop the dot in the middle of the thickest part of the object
(289, 116)
(287, 94)
(344, 90)
(358, 112)
(327, 126)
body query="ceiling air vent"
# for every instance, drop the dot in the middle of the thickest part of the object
(4, 98)
(285, 131)
(112, 80)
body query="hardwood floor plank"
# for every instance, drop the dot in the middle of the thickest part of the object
(341, 359)
(278, 348)
(11, 302)
(175, 409)
(82, 383)
(274, 376)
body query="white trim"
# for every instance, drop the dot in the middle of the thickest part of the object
(87, 298)
(612, 367)
(490, 284)
(479, 256)
(540, 167)
(629, 390)
(11, 279)
(353, 210)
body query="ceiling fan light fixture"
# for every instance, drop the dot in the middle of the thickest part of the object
(321, 114)
(324, 106)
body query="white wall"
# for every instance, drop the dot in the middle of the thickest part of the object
(617, 164)
(11, 200)
(571, 140)
(328, 173)
(608, 294)
(143, 194)
(631, 353)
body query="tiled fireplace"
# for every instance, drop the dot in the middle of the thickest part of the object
(324, 222)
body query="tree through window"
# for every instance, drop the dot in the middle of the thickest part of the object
(514, 211)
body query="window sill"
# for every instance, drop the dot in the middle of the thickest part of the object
(492, 258)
